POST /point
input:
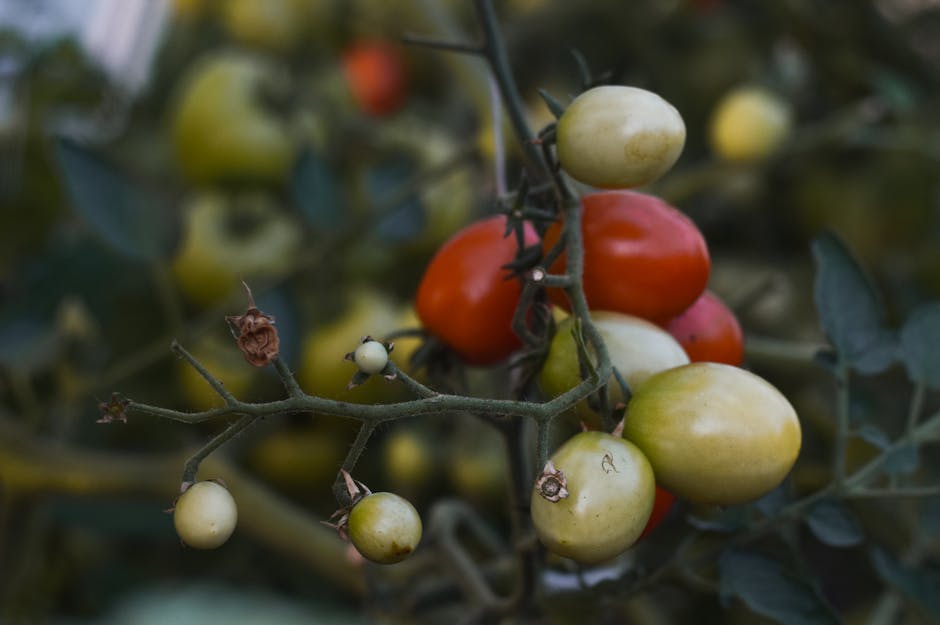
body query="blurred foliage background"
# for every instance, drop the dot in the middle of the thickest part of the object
(159, 153)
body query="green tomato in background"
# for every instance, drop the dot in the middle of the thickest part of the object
(221, 131)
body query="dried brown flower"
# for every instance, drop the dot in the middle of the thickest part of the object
(255, 334)
(552, 484)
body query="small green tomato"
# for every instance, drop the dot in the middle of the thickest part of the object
(371, 357)
(617, 137)
(609, 499)
(384, 527)
(205, 515)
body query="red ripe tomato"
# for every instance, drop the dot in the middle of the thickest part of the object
(642, 257)
(465, 298)
(661, 507)
(376, 75)
(709, 331)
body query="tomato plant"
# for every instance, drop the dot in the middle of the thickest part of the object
(709, 331)
(641, 256)
(609, 499)
(376, 75)
(638, 349)
(714, 433)
(466, 298)
(384, 527)
(614, 136)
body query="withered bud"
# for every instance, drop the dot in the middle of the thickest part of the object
(552, 484)
(115, 409)
(255, 334)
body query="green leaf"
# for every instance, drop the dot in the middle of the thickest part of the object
(730, 519)
(872, 434)
(553, 105)
(902, 461)
(405, 218)
(315, 192)
(131, 219)
(584, 70)
(849, 309)
(922, 587)
(768, 589)
(920, 345)
(834, 524)
(27, 344)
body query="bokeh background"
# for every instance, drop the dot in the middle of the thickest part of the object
(156, 153)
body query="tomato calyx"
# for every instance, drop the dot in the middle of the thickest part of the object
(552, 485)
(357, 491)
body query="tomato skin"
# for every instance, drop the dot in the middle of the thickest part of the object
(465, 298)
(661, 508)
(714, 433)
(641, 256)
(375, 72)
(709, 331)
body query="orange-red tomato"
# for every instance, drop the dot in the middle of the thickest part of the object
(642, 257)
(709, 331)
(661, 507)
(465, 298)
(375, 72)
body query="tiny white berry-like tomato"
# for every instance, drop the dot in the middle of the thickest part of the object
(594, 498)
(616, 137)
(371, 357)
(205, 515)
(384, 527)
(714, 433)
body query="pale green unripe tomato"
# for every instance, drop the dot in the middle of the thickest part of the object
(384, 527)
(637, 348)
(371, 357)
(617, 137)
(749, 123)
(611, 491)
(205, 515)
(714, 433)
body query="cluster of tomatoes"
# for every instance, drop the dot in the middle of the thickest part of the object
(693, 423)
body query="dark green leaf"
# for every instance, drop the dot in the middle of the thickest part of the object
(930, 516)
(553, 105)
(922, 587)
(405, 218)
(315, 192)
(834, 524)
(584, 70)
(728, 520)
(26, 344)
(902, 461)
(849, 309)
(131, 219)
(920, 345)
(769, 590)
(874, 435)
(774, 501)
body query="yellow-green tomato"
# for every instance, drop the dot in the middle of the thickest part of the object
(714, 433)
(749, 123)
(384, 527)
(220, 129)
(637, 348)
(611, 490)
(205, 515)
(618, 137)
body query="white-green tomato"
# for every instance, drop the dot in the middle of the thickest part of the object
(611, 490)
(617, 137)
(205, 515)
(384, 527)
